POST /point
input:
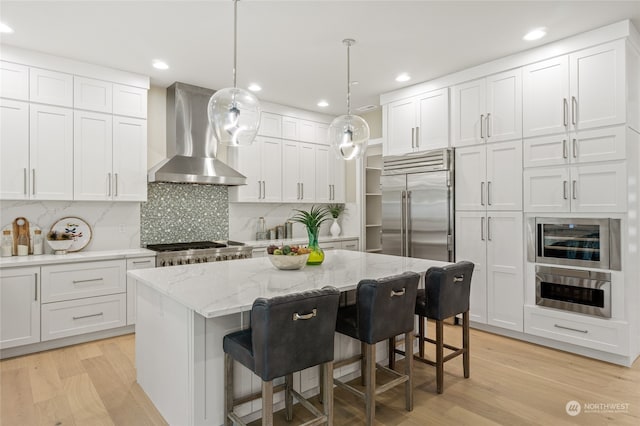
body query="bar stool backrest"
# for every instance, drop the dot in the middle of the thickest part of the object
(293, 332)
(447, 290)
(386, 306)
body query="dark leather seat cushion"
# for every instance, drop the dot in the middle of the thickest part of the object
(238, 345)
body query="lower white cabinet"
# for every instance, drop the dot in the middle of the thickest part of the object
(349, 245)
(81, 280)
(132, 264)
(19, 307)
(493, 241)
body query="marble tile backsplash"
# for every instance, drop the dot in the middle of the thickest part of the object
(184, 213)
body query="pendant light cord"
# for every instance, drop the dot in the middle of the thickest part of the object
(235, 40)
(348, 42)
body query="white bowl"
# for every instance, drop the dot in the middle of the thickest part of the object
(283, 261)
(60, 246)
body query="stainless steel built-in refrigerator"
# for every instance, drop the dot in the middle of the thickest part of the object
(417, 205)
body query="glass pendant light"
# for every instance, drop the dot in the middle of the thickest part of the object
(348, 134)
(234, 113)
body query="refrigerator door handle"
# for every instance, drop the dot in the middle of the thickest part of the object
(407, 221)
(403, 206)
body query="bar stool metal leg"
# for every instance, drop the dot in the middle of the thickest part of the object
(408, 370)
(392, 353)
(228, 389)
(288, 397)
(421, 335)
(267, 403)
(363, 365)
(465, 343)
(439, 355)
(370, 383)
(326, 372)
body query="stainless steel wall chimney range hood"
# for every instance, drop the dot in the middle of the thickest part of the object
(191, 143)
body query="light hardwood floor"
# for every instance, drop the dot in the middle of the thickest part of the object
(511, 383)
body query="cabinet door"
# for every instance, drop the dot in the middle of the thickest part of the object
(307, 130)
(324, 190)
(14, 81)
(50, 87)
(14, 150)
(599, 145)
(336, 170)
(271, 168)
(545, 97)
(546, 151)
(433, 120)
(597, 78)
(546, 190)
(504, 176)
(246, 160)
(93, 153)
(471, 245)
(51, 152)
(129, 159)
(290, 128)
(505, 283)
(291, 190)
(307, 161)
(470, 178)
(93, 95)
(130, 101)
(270, 125)
(504, 106)
(599, 188)
(401, 127)
(468, 109)
(19, 307)
(322, 133)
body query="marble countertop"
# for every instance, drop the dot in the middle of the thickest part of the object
(298, 240)
(223, 288)
(85, 256)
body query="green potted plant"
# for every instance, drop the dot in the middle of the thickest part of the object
(335, 210)
(312, 220)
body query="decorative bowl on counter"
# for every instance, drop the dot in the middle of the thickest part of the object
(288, 262)
(60, 246)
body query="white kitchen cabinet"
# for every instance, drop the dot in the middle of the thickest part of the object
(93, 154)
(420, 123)
(270, 125)
(130, 101)
(133, 264)
(14, 81)
(488, 109)
(19, 307)
(582, 90)
(493, 242)
(14, 150)
(329, 176)
(299, 171)
(290, 128)
(307, 130)
(593, 188)
(51, 153)
(261, 163)
(129, 159)
(50, 87)
(322, 133)
(92, 95)
(350, 244)
(489, 177)
(82, 280)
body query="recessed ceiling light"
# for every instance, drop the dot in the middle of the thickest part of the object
(4, 28)
(160, 65)
(323, 104)
(403, 77)
(255, 87)
(535, 34)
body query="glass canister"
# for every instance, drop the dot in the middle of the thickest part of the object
(38, 242)
(6, 245)
(23, 244)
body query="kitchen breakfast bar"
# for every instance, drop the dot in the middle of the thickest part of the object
(183, 313)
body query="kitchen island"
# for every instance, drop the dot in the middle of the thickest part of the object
(185, 311)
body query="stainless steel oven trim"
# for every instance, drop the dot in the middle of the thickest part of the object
(577, 278)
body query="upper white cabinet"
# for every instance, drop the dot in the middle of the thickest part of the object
(14, 150)
(270, 125)
(92, 95)
(420, 123)
(14, 81)
(489, 177)
(582, 90)
(19, 307)
(304, 130)
(129, 159)
(261, 163)
(290, 128)
(322, 133)
(93, 134)
(329, 176)
(50, 87)
(130, 101)
(298, 171)
(488, 109)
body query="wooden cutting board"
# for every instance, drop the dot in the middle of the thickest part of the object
(21, 227)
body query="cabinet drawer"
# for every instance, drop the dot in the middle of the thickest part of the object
(601, 334)
(141, 263)
(63, 319)
(75, 281)
(350, 245)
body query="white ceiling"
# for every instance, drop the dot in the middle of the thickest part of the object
(294, 49)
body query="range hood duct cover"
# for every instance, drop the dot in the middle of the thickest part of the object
(191, 143)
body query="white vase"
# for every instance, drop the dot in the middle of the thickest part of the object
(335, 228)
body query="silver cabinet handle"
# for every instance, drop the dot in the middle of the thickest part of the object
(264, 189)
(298, 317)
(115, 186)
(564, 189)
(109, 182)
(398, 293)
(25, 181)
(574, 148)
(482, 228)
(418, 137)
(574, 110)
(489, 192)
(574, 189)
(88, 316)
(413, 136)
(35, 288)
(298, 197)
(482, 193)
(569, 328)
(333, 192)
(302, 190)
(140, 262)
(565, 154)
(488, 124)
(33, 181)
(565, 112)
(489, 228)
(481, 126)
(259, 190)
(87, 281)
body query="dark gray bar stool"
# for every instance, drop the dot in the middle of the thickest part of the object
(287, 334)
(384, 308)
(446, 294)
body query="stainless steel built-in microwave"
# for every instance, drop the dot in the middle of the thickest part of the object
(593, 243)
